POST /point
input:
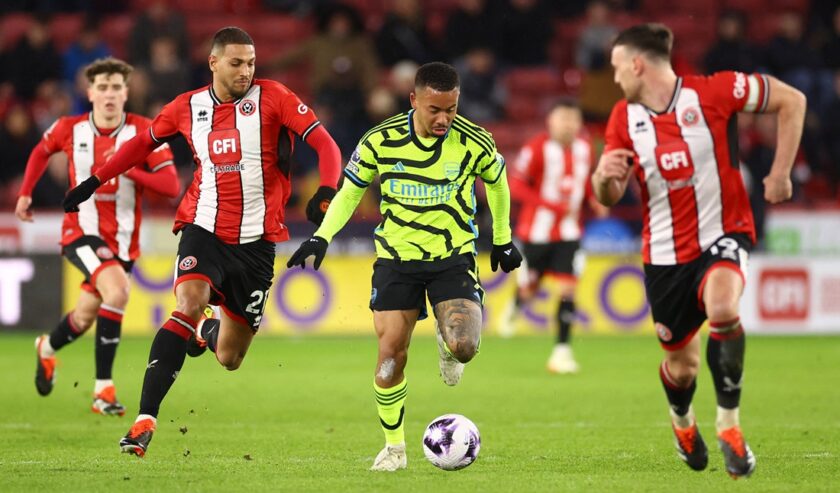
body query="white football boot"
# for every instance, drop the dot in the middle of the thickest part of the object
(450, 368)
(562, 361)
(506, 325)
(390, 458)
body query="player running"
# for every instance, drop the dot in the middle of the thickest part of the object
(241, 132)
(676, 134)
(427, 161)
(102, 239)
(550, 179)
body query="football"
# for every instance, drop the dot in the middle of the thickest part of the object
(451, 442)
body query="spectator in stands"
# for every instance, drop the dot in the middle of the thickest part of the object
(168, 75)
(595, 41)
(791, 59)
(525, 32)
(483, 96)
(401, 82)
(158, 20)
(403, 35)
(343, 69)
(831, 49)
(731, 50)
(18, 136)
(831, 134)
(34, 60)
(471, 24)
(87, 48)
(52, 100)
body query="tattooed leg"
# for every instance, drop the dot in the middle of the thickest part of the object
(459, 323)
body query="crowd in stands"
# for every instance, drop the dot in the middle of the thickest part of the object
(354, 62)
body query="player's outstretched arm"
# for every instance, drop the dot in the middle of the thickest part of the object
(164, 181)
(129, 155)
(329, 167)
(789, 105)
(35, 167)
(338, 213)
(504, 252)
(609, 181)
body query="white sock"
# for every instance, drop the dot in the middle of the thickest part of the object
(46, 351)
(102, 385)
(141, 417)
(726, 418)
(683, 421)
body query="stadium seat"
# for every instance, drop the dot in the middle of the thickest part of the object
(115, 31)
(12, 27)
(65, 30)
(280, 28)
(533, 81)
(200, 6)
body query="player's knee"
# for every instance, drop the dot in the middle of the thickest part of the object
(722, 310)
(82, 320)
(464, 351)
(684, 370)
(115, 296)
(191, 307)
(230, 360)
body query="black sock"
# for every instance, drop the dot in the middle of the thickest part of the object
(108, 328)
(678, 397)
(64, 333)
(210, 332)
(725, 357)
(165, 361)
(565, 317)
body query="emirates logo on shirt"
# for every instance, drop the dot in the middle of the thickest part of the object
(247, 107)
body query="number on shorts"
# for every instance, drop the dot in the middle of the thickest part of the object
(728, 248)
(256, 305)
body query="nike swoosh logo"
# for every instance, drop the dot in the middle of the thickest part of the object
(105, 340)
(152, 364)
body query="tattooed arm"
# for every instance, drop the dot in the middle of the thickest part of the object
(459, 323)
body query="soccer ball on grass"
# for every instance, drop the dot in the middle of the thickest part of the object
(451, 442)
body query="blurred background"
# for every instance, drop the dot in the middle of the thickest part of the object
(354, 63)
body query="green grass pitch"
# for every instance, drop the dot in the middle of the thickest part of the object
(300, 416)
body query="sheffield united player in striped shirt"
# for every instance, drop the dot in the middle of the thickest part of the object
(677, 136)
(101, 239)
(241, 132)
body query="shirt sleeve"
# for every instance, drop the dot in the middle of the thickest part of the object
(361, 169)
(295, 115)
(55, 136)
(165, 125)
(738, 92)
(160, 158)
(616, 135)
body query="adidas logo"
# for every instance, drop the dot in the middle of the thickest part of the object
(398, 167)
(507, 252)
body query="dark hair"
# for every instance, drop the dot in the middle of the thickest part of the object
(108, 66)
(230, 35)
(438, 76)
(653, 38)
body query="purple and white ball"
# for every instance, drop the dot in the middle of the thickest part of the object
(451, 442)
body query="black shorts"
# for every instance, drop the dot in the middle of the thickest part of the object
(402, 285)
(90, 254)
(239, 275)
(675, 292)
(557, 257)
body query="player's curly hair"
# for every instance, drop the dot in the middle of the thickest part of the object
(654, 39)
(438, 76)
(230, 35)
(108, 65)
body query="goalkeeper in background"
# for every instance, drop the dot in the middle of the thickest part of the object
(427, 160)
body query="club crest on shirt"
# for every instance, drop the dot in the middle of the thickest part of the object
(451, 170)
(690, 116)
(187, 263)
(247, 107)
(104, 253)
(663, 332)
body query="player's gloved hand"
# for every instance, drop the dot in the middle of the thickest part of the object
(316, 246)
(505, 255)
(80, 193)
(317, 206)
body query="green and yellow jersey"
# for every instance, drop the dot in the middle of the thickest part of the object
(427, 186)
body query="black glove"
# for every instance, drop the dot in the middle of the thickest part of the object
(80, 193)
(316, 246)
(317, 206)
(505, 255)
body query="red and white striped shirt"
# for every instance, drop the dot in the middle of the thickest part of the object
(241, 150)
(552, 182)
(114, 214)
(687, 159)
